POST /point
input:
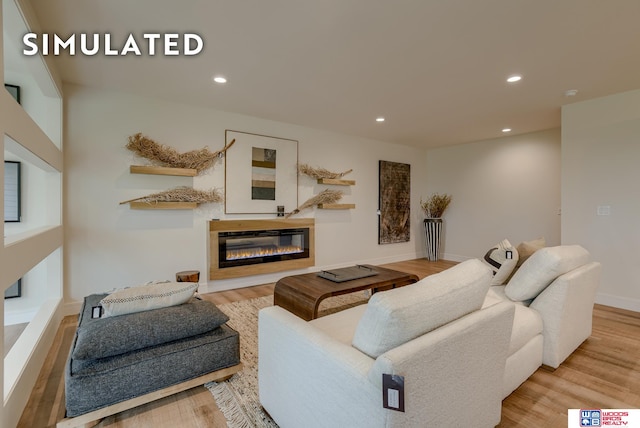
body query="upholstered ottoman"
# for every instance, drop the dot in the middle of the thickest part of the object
(116, 359)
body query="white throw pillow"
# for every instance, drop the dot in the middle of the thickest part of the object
(396, 316)
(147, 297)
(502, 260)
(525, 250)
(542, 268)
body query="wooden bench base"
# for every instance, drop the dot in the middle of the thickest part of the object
(92, 418)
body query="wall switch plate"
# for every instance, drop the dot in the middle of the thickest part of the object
(604, 210)
(393, 392)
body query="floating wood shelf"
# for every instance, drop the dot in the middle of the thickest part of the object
(162, 170)
(163, 205)
(336, 181)
(336, 206)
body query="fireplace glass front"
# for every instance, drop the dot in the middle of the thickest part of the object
(262, 246)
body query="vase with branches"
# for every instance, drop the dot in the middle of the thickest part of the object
(434, 207)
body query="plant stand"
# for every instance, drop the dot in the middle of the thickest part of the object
(433, 231)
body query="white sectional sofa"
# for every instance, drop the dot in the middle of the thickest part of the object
(461, 345)
(553, 294)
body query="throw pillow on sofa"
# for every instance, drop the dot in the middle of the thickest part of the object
(502, 260)
(147, 297)
(396, 316)
(542, 268)
(526, 250)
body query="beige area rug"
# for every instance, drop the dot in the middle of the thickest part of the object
(238, 397)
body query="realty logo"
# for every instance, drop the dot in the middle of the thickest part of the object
(591, 418)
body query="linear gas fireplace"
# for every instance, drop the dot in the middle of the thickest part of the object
(250, 247)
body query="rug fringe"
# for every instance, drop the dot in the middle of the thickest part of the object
(232, 412)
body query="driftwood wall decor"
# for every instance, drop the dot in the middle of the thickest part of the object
(162, 155)
(181, 194)
(327, 196)
(394, 202)
(319, 173)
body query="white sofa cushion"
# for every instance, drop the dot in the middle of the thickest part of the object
(501, 259)
(527, 323)
(396, 316)
(542, 268)
(341, 326)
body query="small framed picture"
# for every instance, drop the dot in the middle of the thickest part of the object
(14, 291)
(14, 91)
(509, 254)
(12, 197)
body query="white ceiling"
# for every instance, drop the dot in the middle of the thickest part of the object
(435, 69)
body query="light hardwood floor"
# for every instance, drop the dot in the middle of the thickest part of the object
(604, 372)
(11, 335)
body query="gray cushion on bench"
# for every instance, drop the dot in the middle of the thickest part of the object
(91, 385)
(106, 337)
(101, 382)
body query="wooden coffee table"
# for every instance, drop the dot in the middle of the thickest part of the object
(302, 294)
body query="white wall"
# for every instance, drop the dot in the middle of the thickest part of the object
(109, 245)
(600, 156)
(502, 188)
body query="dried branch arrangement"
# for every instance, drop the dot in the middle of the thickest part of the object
(320, 172)
(435, 205)
(325, 197)
(162, 155)
(181, 194)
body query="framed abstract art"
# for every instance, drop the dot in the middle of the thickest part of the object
(261, 174)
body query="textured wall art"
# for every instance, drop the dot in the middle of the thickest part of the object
(395, 202)
(261, 173)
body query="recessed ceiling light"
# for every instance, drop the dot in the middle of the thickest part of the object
(571, 93)
(514, 78)
(506, 130)
(379, 119)
(219, 79)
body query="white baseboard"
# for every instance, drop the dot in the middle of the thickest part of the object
(619, 302)
(250, 281)
(455, 257)
(71, 308)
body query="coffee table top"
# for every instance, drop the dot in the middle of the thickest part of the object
(313, 286)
